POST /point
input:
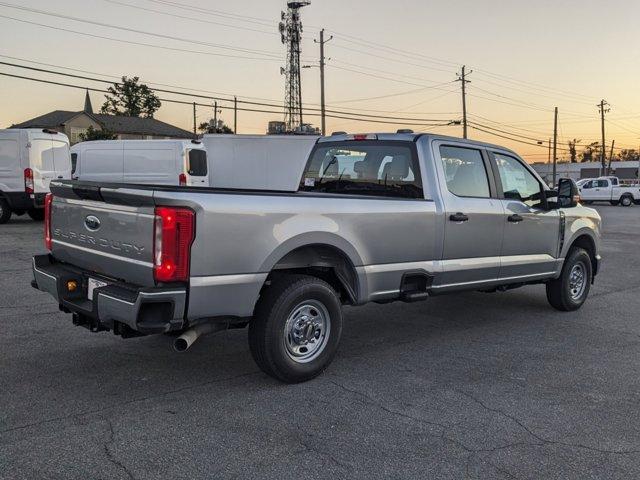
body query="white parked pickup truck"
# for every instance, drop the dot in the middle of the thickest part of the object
(609, 189)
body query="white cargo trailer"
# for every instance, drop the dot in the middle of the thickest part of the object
(29, 160)
(154, 162)
(260, 162)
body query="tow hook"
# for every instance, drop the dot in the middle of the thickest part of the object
(188, 338)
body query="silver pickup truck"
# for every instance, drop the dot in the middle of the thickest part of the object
(376, 218)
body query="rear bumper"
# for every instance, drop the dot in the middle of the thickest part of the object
(123, 308)
(25, 201)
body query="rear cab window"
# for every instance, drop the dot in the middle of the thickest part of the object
(465, 171)
(197, 164)
(373, 168)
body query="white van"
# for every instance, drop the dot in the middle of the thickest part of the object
(29, 160)
(260, 162)
(156, 162)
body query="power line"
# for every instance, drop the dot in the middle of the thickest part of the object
(222, 99)
(143, 32)
(195, 19)
(143, 44)
(338, 115)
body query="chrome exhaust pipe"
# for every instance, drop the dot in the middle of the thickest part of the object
(188, 338)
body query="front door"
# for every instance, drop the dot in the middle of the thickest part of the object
(531, 232)
(473, 217)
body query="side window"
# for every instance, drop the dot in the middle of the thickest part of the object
(603, 183)
(375, 168)
(588, 184)
(518, 183)
(465, 172)
(74, 162)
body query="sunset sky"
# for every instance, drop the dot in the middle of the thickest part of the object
(396, 59)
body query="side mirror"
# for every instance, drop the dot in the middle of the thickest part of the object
(568, 193)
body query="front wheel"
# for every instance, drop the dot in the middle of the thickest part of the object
(5, 211)
(569, 291)
(296, 328)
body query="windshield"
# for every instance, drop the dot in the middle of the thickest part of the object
(364, 168)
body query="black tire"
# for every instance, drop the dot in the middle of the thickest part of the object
(561, 293)
(5, 211)
(279, 306)
(626, 200)
(614, 203)
(36, 214)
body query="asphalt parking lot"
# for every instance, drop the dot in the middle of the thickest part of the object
(469, 386)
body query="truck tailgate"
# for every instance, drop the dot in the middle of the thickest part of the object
(108, 231)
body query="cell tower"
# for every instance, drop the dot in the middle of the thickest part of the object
(291, 31)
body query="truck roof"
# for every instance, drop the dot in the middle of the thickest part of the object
(411, 137)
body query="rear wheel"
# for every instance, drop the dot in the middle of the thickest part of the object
(36, 214)
(569, 291)
(5, 211)
(626, 200)
(296, 329)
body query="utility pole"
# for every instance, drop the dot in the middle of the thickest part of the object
(555, 144)
(195, 131)
(462, 77)
(322, 64)
(235, 115)
(549, 158)
(603, 110)
(215, 116)
(608, 172)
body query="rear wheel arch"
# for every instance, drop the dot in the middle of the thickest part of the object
(323, 261)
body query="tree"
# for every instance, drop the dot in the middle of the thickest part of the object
(131, 99)
(630, 155)
(210, 127)
(591, 152)
(93, 134)
(573, 153)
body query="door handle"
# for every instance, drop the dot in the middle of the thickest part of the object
(458, 217)
(515, 218)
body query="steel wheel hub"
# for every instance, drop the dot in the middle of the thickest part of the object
(307, 331)
(577, 281)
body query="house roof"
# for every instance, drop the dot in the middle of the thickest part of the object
(48, 120)
(115, 123)
(140, 126)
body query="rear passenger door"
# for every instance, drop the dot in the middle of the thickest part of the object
(531, 231)
(474, 217)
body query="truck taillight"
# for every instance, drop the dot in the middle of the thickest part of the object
(48, 201)
(174, 233)
(28, 180)
(182, 180)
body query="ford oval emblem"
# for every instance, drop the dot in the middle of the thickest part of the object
(92, 223)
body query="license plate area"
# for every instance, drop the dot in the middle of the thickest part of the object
(92, 284)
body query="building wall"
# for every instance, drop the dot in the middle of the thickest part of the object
(624, 170)
(77, 125)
